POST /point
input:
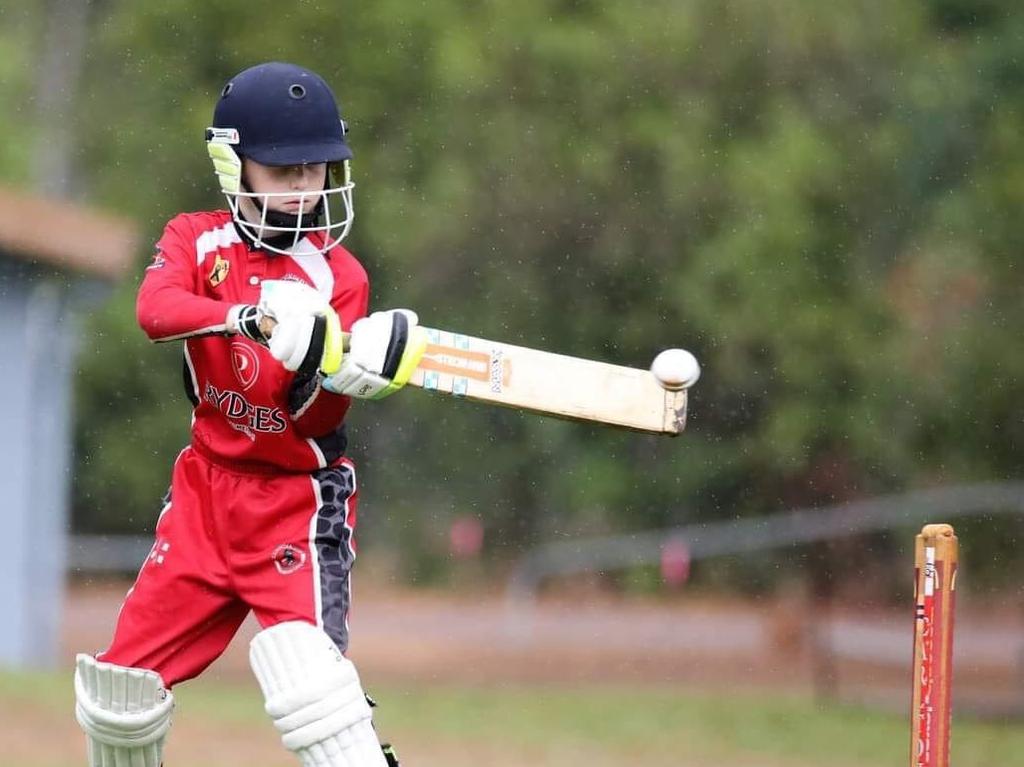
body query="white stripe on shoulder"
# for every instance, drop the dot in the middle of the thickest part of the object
(221, 237)
(314, 263)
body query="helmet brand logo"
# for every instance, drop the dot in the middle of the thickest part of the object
(222, 135)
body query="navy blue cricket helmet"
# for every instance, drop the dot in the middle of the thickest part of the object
(282, 114)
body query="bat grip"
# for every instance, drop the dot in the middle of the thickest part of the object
(267, 325)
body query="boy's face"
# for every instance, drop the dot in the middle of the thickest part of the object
(283, 179)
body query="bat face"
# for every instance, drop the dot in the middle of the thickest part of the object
(548, 383)
(543, 382)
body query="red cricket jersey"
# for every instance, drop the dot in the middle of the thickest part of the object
(249, 412)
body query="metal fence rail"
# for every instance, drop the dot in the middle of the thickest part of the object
(711, 539)
(124, 553)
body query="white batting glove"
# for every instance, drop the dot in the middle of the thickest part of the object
(291, 340)
(384, 350)
(307, 334)
(278, 299)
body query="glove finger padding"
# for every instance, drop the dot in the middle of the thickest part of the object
(292, 339)
(305, 342)
(396, 346)
(280, 299)
(415, 348)
(385, 348)
(379, 341)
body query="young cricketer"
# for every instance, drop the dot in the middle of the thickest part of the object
(262, 503)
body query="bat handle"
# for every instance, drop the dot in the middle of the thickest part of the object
(267, 325)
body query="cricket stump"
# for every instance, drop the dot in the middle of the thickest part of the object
(936, 557)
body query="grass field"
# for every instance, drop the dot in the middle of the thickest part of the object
(220, 722)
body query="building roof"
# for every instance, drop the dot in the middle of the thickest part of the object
(65, 235)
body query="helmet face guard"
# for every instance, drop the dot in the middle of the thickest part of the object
(280, 114)
(328, 212)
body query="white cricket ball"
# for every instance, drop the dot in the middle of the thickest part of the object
(676, 369)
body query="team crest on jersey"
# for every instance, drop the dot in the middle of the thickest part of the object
(246, 364)
(219, 271)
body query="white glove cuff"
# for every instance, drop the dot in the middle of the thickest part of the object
(234, 313)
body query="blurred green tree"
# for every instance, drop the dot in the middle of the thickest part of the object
(820, 201)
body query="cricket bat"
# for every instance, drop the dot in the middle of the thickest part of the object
(572, 388)
(549, 384)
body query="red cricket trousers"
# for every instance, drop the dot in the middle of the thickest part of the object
(227, 542)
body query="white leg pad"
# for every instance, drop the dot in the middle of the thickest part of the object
(125, 713)
(314, 696)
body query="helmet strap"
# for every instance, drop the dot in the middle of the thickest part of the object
(279, 218)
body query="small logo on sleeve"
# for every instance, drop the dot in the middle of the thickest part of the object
(158, 262)
(159, 551)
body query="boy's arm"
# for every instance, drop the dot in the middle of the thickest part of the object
(168, 307)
